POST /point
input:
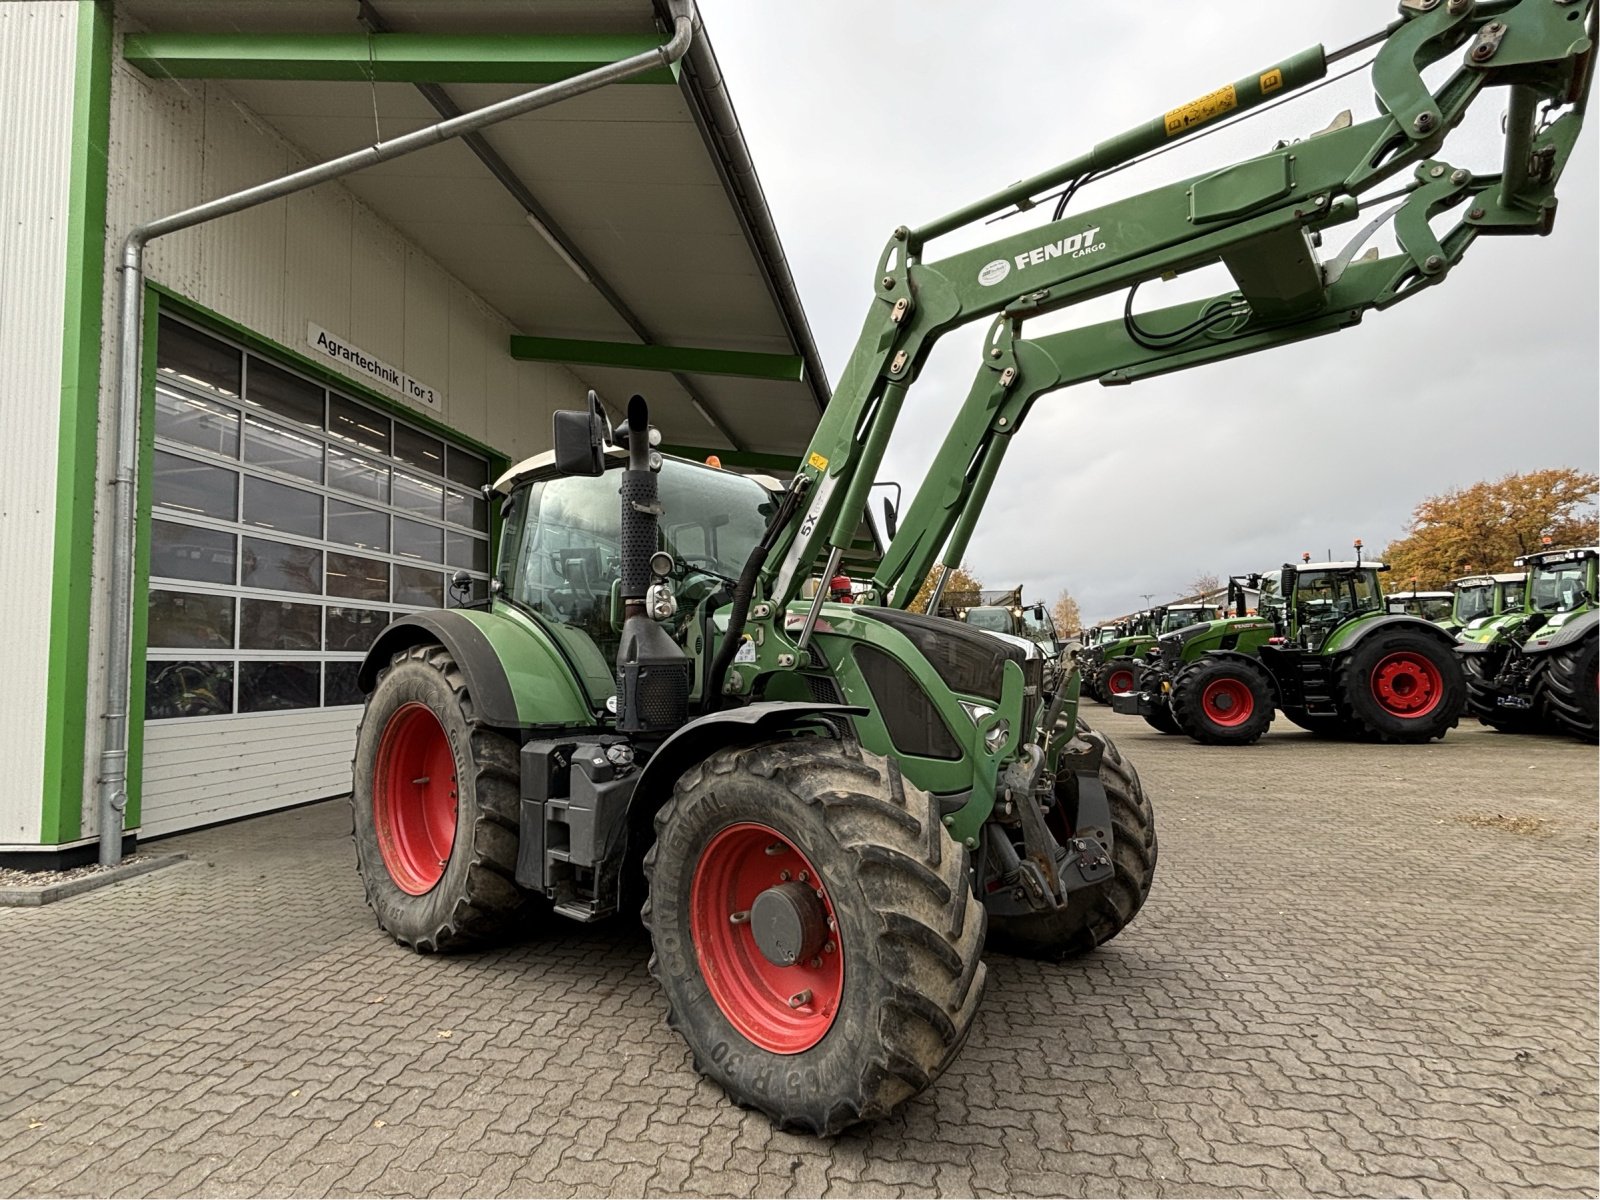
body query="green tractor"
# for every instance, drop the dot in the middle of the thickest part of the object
(1324, 650)
(1109, 667)
(1438, 607)
(1534, 668)
(826, 811)
(1477, 598)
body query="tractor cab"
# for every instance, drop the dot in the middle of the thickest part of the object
(1481, 597)
(1430, 606)
(1313, 600)
(1181, 616)
(1561, 585)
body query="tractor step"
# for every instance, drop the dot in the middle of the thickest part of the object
(575, 910)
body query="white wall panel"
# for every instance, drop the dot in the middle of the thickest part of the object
(38, 55)
(317, 276)
(377, 268)
(203, 770)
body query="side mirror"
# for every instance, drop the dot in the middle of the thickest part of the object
(891, 519)
(580, 439)
(1286, 582)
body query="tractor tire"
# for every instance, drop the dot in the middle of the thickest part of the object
(1480, 698)
(1322, 725)
(1161, 718)
(1222, 702)
(1118, 676)
(1569, 692)
(435, 804)
(1400, 686)
(1094, 915)
(822, 1006)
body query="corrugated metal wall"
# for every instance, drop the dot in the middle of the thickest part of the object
(321, 257)
(38, 54)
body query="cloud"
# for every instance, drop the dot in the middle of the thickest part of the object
(864, 117)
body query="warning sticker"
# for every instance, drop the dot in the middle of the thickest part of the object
(817, 461)
(1197, 112)
(747, 650)
(1271, 81)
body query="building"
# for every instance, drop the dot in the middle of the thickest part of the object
(329, 379)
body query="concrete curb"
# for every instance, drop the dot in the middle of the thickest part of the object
(48, 894)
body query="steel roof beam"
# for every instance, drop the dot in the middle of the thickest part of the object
(781, 368)
(387, 57)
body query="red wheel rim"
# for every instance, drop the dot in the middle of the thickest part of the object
(1405, 684)
(414, 799)
(1227, 702)
(784, 1009)
(1120, 682)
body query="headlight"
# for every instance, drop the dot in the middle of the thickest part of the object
(977, 711)
(997, 735)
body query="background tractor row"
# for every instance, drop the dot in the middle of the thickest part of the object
(1323, 649)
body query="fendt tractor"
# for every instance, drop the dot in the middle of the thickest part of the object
(1109, 666)
(1437, 607)
(826, 811)
(1534, 668)
(1479, 597)
(1323, 650)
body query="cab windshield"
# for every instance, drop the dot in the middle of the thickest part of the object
(1334, 596)
(1182, 618)
(561, 550)
(995, 620)
(1475, 601)
(1558, 586)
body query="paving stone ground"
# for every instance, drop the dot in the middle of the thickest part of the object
(1362, 971)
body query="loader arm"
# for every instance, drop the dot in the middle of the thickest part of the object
(1259, 217)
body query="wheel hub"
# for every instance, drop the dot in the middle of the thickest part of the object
(789, 924)
(1407, 685)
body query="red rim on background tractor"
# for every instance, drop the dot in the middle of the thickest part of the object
(746, 873)
(1405, 684)
(414, 797)
(1227, 702)
(1119, 682)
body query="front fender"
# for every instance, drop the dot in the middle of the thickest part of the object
(697, 740)
(514, 677)
(1579, 627)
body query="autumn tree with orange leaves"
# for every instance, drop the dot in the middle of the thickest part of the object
(961, 580)
(1485, 526)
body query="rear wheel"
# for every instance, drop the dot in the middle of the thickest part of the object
(1400, 686)
(1222, 701)
(814, 931)
(1093, 916)
(434, 801)
(1569, 692)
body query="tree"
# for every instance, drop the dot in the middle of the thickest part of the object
(962, 580)
(1204, 584)
(1064, 612)
(1485, 526)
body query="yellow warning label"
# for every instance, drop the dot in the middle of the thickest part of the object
(817, 462)
(1197, 112)
(1271, 81)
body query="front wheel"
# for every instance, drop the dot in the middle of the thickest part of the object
(1159, 717)
(1223, 701)
(1478, 674)
(813, 930)
(1400, 686)
(1570, 688)
(1119, 676)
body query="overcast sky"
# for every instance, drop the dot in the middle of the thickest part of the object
(862, 117)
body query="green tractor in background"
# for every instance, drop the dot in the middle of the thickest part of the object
(824, 812)
(1109, 666)
(1534, 668)
(1323, 650)
(1438, 607)
(1477, 598)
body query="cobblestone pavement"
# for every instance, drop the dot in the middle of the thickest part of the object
(1362, 971)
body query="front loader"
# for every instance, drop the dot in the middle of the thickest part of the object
(1323, 649)
(826, 810)
(1533, 669)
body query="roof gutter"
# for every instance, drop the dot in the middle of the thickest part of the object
(707, 90)
(112, 791)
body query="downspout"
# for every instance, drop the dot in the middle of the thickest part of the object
(112, 793)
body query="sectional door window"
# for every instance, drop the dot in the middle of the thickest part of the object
(290, 524)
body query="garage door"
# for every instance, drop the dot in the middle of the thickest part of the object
(290, 524)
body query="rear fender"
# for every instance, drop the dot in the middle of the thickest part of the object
(1347, 637)
(514, 676)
